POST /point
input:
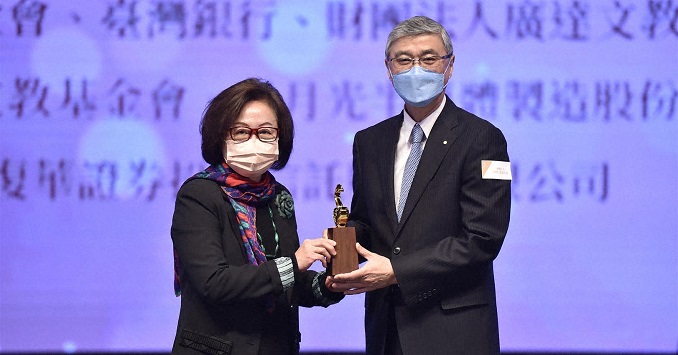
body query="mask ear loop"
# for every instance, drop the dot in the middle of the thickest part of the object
(388, 67)
(445, 73)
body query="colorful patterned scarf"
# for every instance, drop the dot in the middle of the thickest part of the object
(244, 195)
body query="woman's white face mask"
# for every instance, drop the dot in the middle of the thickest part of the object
(252, 157)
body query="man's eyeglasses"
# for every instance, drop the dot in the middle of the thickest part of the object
(428, 61)
(264, 134)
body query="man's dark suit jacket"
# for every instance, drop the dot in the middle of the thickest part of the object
(222, 307)
(452, 228)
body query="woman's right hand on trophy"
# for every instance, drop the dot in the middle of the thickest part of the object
(312, 250)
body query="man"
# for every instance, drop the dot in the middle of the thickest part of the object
(431, 205)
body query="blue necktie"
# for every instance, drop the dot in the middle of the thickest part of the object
(417, 137)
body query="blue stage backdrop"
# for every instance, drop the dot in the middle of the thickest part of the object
(100, 103)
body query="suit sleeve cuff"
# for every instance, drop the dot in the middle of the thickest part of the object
(321, 295)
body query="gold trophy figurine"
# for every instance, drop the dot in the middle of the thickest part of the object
(346, 259)
(340, 212)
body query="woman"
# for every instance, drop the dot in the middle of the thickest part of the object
(239, 268)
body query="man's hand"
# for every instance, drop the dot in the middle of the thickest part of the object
(376, 273)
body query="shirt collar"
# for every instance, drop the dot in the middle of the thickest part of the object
(426, 124)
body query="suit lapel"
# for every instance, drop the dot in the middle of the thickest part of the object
(438, 143)
(388, 151)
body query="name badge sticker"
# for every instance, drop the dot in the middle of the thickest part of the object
(496, 170)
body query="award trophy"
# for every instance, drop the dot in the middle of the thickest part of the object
(346, 259)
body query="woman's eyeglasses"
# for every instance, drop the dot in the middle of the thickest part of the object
(264, 134)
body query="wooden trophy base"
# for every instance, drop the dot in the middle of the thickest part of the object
(346, 259)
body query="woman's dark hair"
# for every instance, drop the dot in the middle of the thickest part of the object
(223, 110)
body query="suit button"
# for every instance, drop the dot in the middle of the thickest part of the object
(396, 250)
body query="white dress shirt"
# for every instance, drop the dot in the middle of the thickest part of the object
(405, 145)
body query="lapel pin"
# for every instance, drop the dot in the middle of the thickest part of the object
(444, 142)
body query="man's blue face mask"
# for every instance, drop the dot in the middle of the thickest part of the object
(418, 86)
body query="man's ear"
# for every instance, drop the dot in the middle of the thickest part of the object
(390, 76)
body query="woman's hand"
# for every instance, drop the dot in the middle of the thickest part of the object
(312, 250)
